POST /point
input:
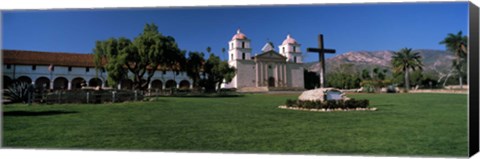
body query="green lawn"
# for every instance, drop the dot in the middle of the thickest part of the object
(405, 124)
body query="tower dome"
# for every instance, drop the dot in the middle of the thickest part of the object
(289, 40)
(239, 35)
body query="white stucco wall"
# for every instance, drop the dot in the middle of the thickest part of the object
(16, 71)
(296, 78)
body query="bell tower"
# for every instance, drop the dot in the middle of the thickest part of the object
(290, 48)
(239, 47)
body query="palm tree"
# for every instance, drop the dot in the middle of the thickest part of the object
(223, 51)
(404, 60)
(209, 50)
(457, 43)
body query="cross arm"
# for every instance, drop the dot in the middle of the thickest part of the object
(321, 50)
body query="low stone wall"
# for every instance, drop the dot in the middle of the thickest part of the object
(268, 89)
(455, 91)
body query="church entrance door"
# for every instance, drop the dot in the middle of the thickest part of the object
(271, 82)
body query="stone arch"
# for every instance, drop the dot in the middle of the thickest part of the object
(170, 84)
(60, 83)
(126, 84)
(25, 79)
(94, 82)
(271, 82)
(42, 83)
(156, 84)
(77, 83)
(7, 82)
(184, 84)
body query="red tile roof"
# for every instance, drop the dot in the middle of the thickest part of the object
(47, 58)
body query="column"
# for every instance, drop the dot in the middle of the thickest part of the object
(277, 72)
(280, 74)
(51, 84)
(285, 81)
(69, 85)
(260, 78)
(265, 74)
(256, 74)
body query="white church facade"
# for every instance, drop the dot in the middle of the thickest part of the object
(268, 70)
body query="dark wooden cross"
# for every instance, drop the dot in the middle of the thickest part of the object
(321, 54)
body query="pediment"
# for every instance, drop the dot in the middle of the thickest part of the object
(270, 55)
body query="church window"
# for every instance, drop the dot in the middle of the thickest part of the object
(87, 69)
(231, 56)
(34, 67)
(295, 59)
(283, 49)
(69, 68)
(231, 46)
(9, 66)
(243, 44)
(294, 49)
(243, 56)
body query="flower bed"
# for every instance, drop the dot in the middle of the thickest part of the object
(330, 105)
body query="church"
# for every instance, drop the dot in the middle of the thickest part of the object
(268, 70)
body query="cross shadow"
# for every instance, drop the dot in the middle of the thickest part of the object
(37, 113)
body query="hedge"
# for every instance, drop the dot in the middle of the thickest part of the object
(330, 104)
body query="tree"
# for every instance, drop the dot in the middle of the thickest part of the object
(223, 53)
(195, 64)
(115, 51)
(457, 43)
(403, 61)
(366, 75)
(209, 50)
(227, 71)
(143, 56)
(217, 72)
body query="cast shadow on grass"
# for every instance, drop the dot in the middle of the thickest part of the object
(208, 95)
(37, 113)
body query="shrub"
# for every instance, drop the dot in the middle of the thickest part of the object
(309, 104)
(18, 92)
(102, 96)
(290, 102)
(330, 104)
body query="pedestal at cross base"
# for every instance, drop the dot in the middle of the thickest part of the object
(321, 55)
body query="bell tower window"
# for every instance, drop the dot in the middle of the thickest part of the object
(243, 56)
(243, 44)
(295, 59)
(231, 56)
(294, 49)
(283, 49)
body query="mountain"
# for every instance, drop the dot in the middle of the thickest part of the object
(433, 60)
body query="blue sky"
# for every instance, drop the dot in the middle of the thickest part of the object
(346, 27)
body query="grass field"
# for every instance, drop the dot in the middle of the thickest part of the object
(405, 124)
